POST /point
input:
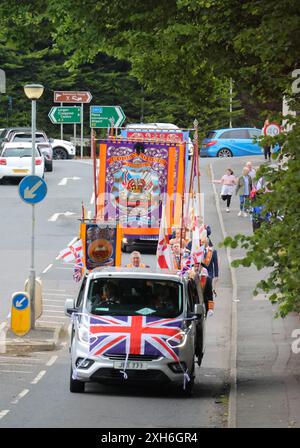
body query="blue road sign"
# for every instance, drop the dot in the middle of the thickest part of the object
(32, 189)
(20, 301)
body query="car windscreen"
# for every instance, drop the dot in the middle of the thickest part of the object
(39, 138)
(134, 297)
(19, 152)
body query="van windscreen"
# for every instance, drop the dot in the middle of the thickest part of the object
(134, 297)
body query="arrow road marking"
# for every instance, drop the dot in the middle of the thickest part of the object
(56, 215)
(20, 302)
(65, 180)
(29, 192)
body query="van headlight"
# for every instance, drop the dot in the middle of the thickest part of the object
(83, 334)
(178, 340)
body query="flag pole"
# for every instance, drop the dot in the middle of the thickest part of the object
(196, 146)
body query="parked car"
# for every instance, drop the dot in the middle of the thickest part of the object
(25, 135)
(114, 303)
(231, 142)
(62, 149)
(16, 160)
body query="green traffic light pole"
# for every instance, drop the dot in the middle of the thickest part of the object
(33, 92)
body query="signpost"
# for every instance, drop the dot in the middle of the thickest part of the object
(106, 116)
(72, 97)
(20, 313)
(67, 115)
(32, 189)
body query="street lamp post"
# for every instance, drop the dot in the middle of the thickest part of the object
(33, 92)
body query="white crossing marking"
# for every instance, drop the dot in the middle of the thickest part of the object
(92, 198)
(51, 361)
(4, 413)
(89, 214)
(38, 377)
(47, 268)
(57, 294)
(21, 395)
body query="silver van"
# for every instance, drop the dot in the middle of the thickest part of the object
(136, 325)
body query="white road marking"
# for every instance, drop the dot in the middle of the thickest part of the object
(48, 322)
(2, 338)
(57, 294)
(49, 290)
(56, 317)
(89, 214)
(65, 180)
(92, 198)
(38, 377)
(21, 395)
(4, 413)
(51, 361)
(16, 371)
(56, 215)
(47, 268)
(52, 300)
(21, 358)
(16, 364)
(58, 307)
(53, 311)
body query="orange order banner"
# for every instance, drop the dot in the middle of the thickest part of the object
(180, 186)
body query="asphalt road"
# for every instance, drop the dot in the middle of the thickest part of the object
(26, 381)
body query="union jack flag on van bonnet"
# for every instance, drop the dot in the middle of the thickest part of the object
(135, 335)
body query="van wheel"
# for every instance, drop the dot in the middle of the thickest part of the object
(75, 385)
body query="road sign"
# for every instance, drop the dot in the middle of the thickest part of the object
(106, 116)
(32, 189)
(20, 313)
(67, 115)
(272, 129)
(72, 97)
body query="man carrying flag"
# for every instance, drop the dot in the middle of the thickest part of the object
(163, 253)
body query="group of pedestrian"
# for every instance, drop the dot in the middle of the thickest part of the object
(242, 185)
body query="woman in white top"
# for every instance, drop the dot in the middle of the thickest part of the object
(228, 182)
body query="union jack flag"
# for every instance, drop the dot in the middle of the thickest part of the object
(78, 269)
(135, 335)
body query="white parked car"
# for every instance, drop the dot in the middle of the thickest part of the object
(16, 160)
(62, 149)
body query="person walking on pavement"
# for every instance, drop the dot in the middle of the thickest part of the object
(244, 186)
(267, 152)
(228, 182)
(252, 171)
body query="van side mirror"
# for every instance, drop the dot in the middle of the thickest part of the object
(198, 310)
(70, 307)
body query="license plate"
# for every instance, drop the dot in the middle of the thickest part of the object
(131, 365)
(20, 171)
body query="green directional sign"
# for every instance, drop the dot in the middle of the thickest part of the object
(106, 116)
(67, 115)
